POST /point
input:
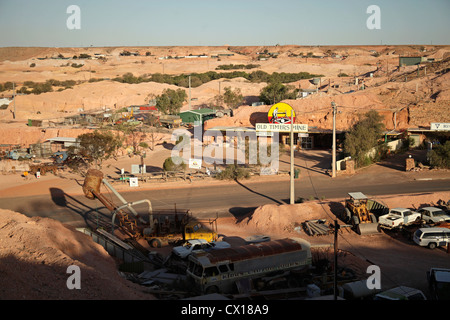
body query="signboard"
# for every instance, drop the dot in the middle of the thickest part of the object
(137, 169)
(195, 164)
(264, 134)
(273, 127)
(440, 126)
(281, 113)
(134, 182)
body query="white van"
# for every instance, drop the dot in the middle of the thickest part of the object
(432, 237)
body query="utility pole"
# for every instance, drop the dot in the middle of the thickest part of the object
(333, 157)
(14, 99)
(336, 228)
(189, 92)
(292, 195)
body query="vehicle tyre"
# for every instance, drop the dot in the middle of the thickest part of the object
(347, 216)
(155, 243)
(373, 218)
(355, 221)
(432, 245)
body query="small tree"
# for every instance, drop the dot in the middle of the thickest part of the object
(171, 101)
(440, 156)
(132, 134)
(276, 92)
(98, 146)
(363, 136)
(233, 98)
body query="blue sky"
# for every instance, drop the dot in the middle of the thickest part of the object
(224, 22)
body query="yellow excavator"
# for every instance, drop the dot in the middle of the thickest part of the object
(358, 215)
(157, 227)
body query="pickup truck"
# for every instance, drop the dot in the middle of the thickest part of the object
(434, 215)
(398, 217)
(195, 245)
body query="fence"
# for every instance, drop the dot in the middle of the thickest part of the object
(181, 175)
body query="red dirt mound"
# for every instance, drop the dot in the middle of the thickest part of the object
(36, 252)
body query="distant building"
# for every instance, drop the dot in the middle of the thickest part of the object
(142, 108)
(410, 61)
(197, 116)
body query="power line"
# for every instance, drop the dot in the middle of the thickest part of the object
(342, 236)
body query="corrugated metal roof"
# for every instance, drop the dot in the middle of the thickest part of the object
(62, 139)
(201, 111)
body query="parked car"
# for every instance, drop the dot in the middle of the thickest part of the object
(439, 283)
(401, 293)
(196, 245)
(398, 217)
(432, 237)
(434, 215)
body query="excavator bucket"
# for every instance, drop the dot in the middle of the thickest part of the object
(367, 228)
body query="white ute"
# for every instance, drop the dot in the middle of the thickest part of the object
(434, 215)
(196, 245)
(398, 217)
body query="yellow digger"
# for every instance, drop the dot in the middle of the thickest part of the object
(358, 215)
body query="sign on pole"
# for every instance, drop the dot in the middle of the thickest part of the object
(134, 182)
(195, 164)
(281, 113)
(276, 127)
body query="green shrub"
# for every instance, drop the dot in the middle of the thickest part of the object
(174, 164)
(440, 156)
(364, 136)
(233, 172)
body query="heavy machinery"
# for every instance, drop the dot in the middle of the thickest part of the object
(358, 215)
(157, 227)
(170, 121)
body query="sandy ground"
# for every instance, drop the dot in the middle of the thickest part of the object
(388, 97)
(42, 248)
(35, 252)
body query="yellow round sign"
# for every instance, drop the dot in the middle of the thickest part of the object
(281, 113)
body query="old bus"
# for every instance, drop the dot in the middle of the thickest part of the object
(219, 270)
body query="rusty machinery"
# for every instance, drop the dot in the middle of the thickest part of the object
(132, 225)
(163, 226)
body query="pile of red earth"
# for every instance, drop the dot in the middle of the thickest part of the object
(35, 254)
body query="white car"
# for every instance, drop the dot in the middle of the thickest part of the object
(432, 237)
(398, 217)
(401, 293)
(434, 215)
(198, 245)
